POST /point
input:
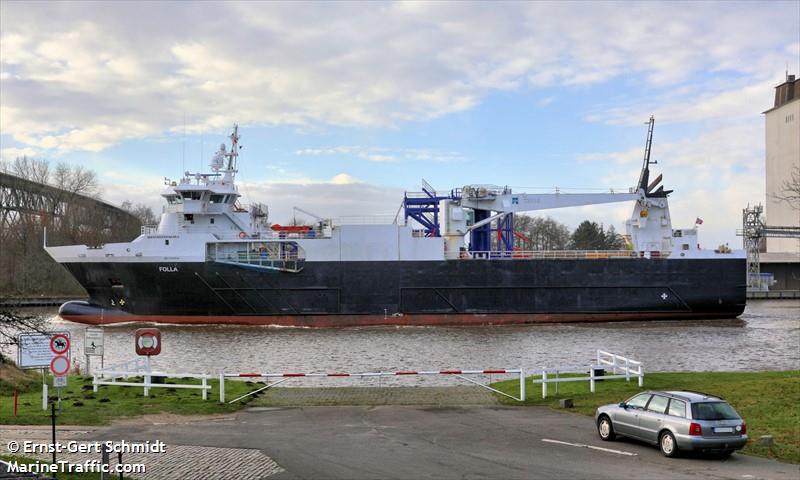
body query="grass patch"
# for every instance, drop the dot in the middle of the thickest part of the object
(81, 406)
(61, 476)
(12, 377)
(768, 401)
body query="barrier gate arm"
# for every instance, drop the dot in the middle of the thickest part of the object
(457, 373)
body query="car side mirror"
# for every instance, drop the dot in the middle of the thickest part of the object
(623, 405)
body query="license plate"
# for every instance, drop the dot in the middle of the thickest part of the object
(723, 430)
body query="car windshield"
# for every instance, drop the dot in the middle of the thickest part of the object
(713, 411)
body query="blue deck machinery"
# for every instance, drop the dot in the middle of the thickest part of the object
(424, 208)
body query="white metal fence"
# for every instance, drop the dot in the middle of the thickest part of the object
(118, 375)
(630, 369)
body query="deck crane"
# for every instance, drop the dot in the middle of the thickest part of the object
(650, 227)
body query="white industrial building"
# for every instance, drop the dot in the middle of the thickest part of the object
(782, 130)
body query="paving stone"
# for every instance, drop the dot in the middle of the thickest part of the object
(179, 461)
(442, 396)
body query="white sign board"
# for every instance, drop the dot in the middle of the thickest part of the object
(34, 349)
(59, 382)
(93, 341)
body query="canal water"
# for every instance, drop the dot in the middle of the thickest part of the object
(765, 337)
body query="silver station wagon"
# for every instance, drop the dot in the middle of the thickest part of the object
(675, 421)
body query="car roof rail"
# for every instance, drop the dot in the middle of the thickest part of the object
(702, 393)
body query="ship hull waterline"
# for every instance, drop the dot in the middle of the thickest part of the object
(470, 292)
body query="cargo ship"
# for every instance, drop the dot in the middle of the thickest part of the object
(450, 259)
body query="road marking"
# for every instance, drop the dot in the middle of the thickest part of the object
(609, 450)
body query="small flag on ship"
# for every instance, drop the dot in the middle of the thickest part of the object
(699, 221)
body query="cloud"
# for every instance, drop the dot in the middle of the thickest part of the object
(728, 104)
(380, 154)
(87, 75)
(714, 174)
(341, 196)
(11, 153)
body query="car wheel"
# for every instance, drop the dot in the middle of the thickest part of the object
(668, 446)
(605, 429)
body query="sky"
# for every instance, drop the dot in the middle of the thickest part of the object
(344, 106)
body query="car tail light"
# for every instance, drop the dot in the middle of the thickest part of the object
(695, 429)
(744, 428)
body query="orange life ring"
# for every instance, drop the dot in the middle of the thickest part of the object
(242, 235)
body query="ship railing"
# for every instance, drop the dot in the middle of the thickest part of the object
(365, 220)
(273, 235)
(149, 229)
(547, 255)
(254, 256)
(284, 262)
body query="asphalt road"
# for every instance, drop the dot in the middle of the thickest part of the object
(395, 442)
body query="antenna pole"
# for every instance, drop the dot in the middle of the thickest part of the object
(183, 144)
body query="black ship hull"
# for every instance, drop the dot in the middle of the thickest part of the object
(410, 292)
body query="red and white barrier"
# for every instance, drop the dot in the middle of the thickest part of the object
(458, 373)
(370, 374)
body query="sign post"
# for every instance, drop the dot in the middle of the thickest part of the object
(148, 343)
(59, 365)
(35, 352)
(92, 345)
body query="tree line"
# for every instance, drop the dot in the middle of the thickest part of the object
(545, 233)
(25, 268)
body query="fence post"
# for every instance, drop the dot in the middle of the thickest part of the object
(94, 383)
(205, 389)
(544, 383)
(221, 388)
(641, 376)
(521, 385)
(613, 364)
(598, 356)
(591, 378)
(627, 370)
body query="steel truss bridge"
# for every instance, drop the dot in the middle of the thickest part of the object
(69, 216)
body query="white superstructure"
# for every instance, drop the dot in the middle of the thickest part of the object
(204, 221)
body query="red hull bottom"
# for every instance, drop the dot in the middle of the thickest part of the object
(327, 321)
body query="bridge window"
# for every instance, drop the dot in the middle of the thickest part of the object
(192, 195)
(174, 199)
(216, 198)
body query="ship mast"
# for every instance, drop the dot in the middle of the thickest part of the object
(233, 154)
(644, 177)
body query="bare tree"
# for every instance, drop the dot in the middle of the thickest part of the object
(76, 179)
(13, 323)
(141, 211)
(790, 189)
(31, 169)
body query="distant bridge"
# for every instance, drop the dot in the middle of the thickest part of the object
(68, 215)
